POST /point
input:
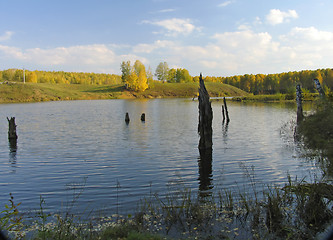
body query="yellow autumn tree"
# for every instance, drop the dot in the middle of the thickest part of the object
(132, 81)
(135, 77)
(32, 77)
(142, 80)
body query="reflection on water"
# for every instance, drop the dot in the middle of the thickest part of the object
(62, 143)
(205, 172)
(12, 153)
(225, 131)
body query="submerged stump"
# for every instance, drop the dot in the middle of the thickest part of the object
(319, 88)
(299, 97)
(143, 117)
(12, 128)
(127, 119)
(226, 110)
(205, 117)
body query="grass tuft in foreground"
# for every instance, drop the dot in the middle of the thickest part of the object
(298, 210)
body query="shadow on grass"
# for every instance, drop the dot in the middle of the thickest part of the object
(107, 89)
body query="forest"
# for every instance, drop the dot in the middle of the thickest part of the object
(137, 78)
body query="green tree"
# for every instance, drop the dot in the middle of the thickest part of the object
(125, 70)
(8, 75)
(150, 76)
(18, 76)
(172, 75)
(138, 67)
(162, 71)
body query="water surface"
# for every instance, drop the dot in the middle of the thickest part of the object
(85, 149)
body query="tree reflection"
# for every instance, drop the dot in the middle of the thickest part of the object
(225, 128)
(12, 152)
(205, 172)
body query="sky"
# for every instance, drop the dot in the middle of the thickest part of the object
(212, 37)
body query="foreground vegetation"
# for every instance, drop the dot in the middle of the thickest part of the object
(297, 210)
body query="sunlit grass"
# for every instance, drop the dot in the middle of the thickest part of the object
(38, 92)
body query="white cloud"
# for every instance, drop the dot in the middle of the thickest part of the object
(246, 51)
(166, 10)
(229, 53)
(277, 16)
(175, 26)
(308, 34)
(224, 4)
(148, 48)
(76, 57)
(6, 36)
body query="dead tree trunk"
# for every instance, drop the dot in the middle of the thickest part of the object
(143, 117)
(223, 114)
(226, 110)
(318, 87)
(205, 118)
(299, 103)
(127, 119)
(12, 128)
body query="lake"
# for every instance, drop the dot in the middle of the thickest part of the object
(83, 151)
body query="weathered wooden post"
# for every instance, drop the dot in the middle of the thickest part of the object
(299, 103)
(127, 119)
(143, 117)
(226, 109)
(12, 128)
(205, 117)
(12, 136)
(319, 88)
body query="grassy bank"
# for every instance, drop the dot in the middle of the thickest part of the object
(316, 132)
(275, 97)
(37, 92)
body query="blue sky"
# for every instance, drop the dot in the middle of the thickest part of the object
(215, 37)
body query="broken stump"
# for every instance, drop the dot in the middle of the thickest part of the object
(143, 117)
(205, 117)
(226, 110)
(299, 97)
(127, 119)
(12, 128)
(318, 87)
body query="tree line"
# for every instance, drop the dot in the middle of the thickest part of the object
(135, 77)
(16, 75)
(281, 82)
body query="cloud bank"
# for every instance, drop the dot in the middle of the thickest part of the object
(276, 16)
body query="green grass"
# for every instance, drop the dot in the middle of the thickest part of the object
(38, 92)
(276, 97)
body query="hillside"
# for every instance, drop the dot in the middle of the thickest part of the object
(37, 92)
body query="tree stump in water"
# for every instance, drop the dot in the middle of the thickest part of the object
(127, 119)
(226, 110)
(205, 172)
(299, 103)
(205, 118)
(12, 128)
(318, 87)
(143, 117)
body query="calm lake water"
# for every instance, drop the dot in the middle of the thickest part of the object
(85, 149)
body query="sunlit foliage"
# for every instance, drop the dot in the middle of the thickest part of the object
(16, 75)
